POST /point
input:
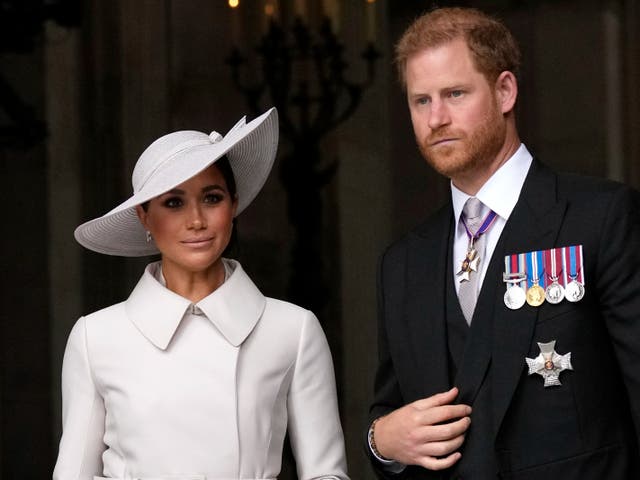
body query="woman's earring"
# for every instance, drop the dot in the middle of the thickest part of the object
(149, 237)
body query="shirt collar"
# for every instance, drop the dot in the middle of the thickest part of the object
(234, 308)
(500, 193)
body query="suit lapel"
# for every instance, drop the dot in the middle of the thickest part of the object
(533, 225)
(425, 313)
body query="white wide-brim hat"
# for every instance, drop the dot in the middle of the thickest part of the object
(175, 158)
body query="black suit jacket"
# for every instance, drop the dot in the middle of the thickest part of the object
(587, 428)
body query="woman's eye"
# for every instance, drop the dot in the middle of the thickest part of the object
(173, 202)
(213, 198)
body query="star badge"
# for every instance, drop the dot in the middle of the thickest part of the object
(469, 264)
(549, 364)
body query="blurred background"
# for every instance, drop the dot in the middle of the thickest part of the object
(86, 85)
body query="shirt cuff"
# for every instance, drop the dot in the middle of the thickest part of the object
(390, 466)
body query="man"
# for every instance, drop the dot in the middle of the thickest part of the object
(509, 321)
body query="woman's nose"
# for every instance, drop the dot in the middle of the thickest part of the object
(197, 220)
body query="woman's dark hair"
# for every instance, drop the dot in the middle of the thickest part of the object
(225, 169)
(223, 165)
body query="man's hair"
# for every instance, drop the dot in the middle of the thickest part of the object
(492, 46)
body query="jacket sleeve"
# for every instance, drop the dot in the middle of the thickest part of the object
(314, 423)
(387, 394)
(83, 413)
(618, 288)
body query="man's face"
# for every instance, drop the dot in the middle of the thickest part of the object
(456, 118)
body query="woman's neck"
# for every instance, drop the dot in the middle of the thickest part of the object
(193, 285)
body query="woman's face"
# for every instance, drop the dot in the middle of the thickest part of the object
(192, 223)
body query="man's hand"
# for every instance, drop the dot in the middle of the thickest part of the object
(426, 432)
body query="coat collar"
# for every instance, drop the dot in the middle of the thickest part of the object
(234, 308)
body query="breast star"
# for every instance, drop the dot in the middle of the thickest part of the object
(549, 364)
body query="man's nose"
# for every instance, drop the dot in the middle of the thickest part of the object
(438, 115)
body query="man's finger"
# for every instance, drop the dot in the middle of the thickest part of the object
(434, 463)
(442, 448)
(444, 413)
(436, 400)
(444, 432)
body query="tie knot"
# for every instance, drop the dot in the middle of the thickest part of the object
(472, 210)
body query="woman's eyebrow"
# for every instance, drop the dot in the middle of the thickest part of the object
(215, 186)
(175, 191)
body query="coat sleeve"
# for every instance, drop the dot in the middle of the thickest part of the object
(387, 394)
(618, 288)
(83, 413)
(314, 423)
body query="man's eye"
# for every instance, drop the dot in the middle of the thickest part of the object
(456, 93)
(422, 101)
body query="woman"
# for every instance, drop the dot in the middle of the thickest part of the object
(196, 375)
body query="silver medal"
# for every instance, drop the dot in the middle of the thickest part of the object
(554, 293)
(515, 297)
(574, 291)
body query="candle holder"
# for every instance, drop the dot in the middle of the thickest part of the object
(304, 76)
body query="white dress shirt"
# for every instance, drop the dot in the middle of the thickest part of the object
(500, 193)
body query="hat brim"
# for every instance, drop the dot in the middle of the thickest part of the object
(251, 149)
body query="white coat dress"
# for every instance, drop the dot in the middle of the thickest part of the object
(156, 388)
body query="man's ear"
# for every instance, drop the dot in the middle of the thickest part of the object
(506, 91)
(142, 215)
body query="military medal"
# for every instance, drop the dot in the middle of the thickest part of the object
(515, 277)
(515, 296)
(535, 293)
(554, 293)
(549, 364)
(574, 291)
(471, 261)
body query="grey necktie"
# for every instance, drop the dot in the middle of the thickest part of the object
(468, 293)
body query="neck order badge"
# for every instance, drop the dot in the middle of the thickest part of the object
(472, 259)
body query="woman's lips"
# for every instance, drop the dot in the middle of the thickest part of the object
(197, 242)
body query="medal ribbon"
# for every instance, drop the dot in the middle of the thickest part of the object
(573, 256)
(534, 260)
(553, 260)
(486, 224)
(514, 266)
